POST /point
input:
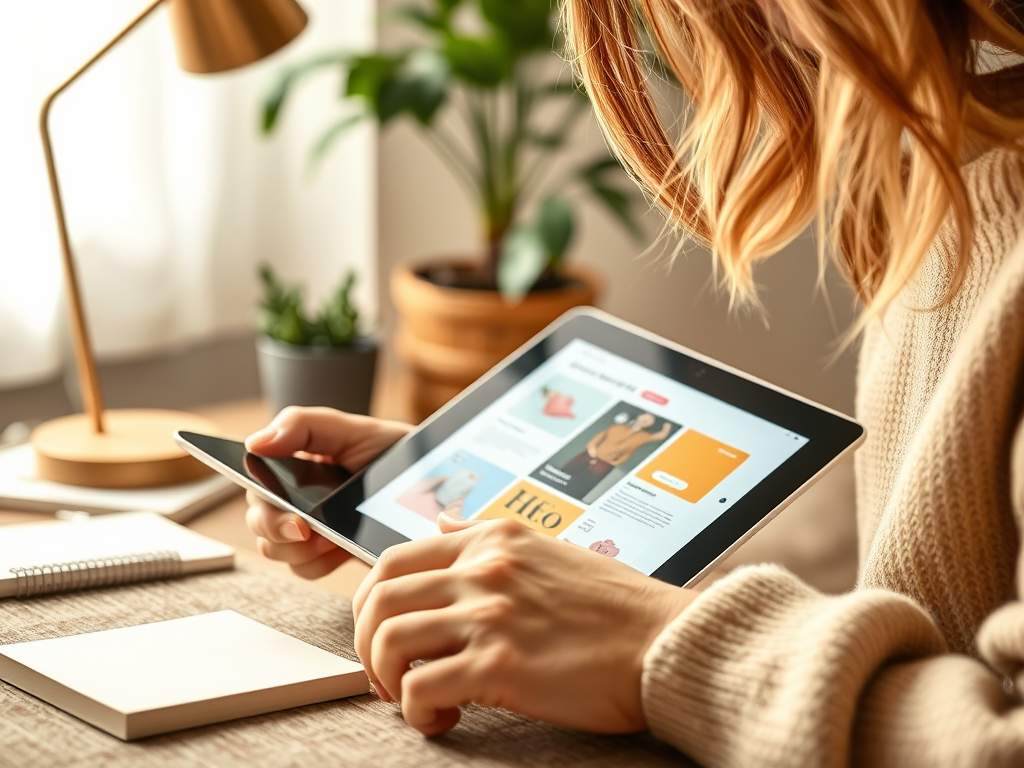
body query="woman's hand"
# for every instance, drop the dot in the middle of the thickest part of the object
(320, 434)
(510, 618)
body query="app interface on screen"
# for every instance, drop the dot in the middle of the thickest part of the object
(597, 450)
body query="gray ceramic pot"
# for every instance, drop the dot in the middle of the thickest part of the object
(338, 377)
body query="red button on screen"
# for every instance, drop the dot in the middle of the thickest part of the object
(654, 397)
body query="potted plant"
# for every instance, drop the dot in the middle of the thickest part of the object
(477, 86)
(318, 360)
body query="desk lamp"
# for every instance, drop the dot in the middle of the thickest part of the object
(135, 448)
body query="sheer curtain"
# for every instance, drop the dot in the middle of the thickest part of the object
(172, 196)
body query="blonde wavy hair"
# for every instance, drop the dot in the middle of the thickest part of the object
(867, 122)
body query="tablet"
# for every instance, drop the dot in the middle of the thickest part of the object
(595, 432)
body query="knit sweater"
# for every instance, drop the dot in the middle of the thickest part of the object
(923, 663)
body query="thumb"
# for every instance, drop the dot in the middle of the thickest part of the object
(320, 431)
(293, 429)
(263, 441)
(449, 524)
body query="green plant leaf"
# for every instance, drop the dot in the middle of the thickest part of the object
(367, 74)
(555, 222)
(274, 100)
(392, 99)
(620, 205)
(483, 62)
(289, 327)
(418, 87)
(421, 17)
(618, 202)
(524, 257)
(338, 324)
(281, 318)
(375, 79)
(330, 136)
(552, 140)
(525, 24)
(592, 172)
(426, 74)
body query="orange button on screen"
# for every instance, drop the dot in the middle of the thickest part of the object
(692, 466)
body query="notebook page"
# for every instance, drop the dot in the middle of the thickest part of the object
(117, 535)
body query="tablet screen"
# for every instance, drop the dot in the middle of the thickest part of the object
(595, 449)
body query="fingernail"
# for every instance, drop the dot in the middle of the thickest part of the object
(444, 517)
(379, 690)
(289, 531)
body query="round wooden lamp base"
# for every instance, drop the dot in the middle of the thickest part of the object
(137, 450)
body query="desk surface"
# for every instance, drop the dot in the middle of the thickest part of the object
(358, 731)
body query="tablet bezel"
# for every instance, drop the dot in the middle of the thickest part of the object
(831, 435)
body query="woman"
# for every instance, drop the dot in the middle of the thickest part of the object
(875, 114)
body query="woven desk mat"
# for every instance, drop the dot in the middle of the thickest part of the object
(360, 731)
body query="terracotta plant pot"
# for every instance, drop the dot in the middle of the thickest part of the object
(449, 337)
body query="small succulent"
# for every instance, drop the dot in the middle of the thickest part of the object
(283, 318)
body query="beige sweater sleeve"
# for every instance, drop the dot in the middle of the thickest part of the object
(763, 670)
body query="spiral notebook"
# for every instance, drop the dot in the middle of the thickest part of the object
(43, 558)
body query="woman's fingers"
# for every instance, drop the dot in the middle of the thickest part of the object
(429, 554)
(436, 552)
(432, 693)
(347, 438)
(286, 537)
(447, 522)
(321, 434)
(402, 640)
(323, 431)
(417, 592)
(517, 628)
(296, 554)
(323, 565)
(268, 522)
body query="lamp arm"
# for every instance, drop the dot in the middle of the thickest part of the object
(85, 360)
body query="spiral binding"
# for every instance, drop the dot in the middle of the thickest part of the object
(99, 572)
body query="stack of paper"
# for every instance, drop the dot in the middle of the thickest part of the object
(20, 489)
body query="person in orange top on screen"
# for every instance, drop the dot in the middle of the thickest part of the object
(607, 450)
(899, 126)
(619, 442)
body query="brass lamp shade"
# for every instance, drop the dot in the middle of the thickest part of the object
(218, 35)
